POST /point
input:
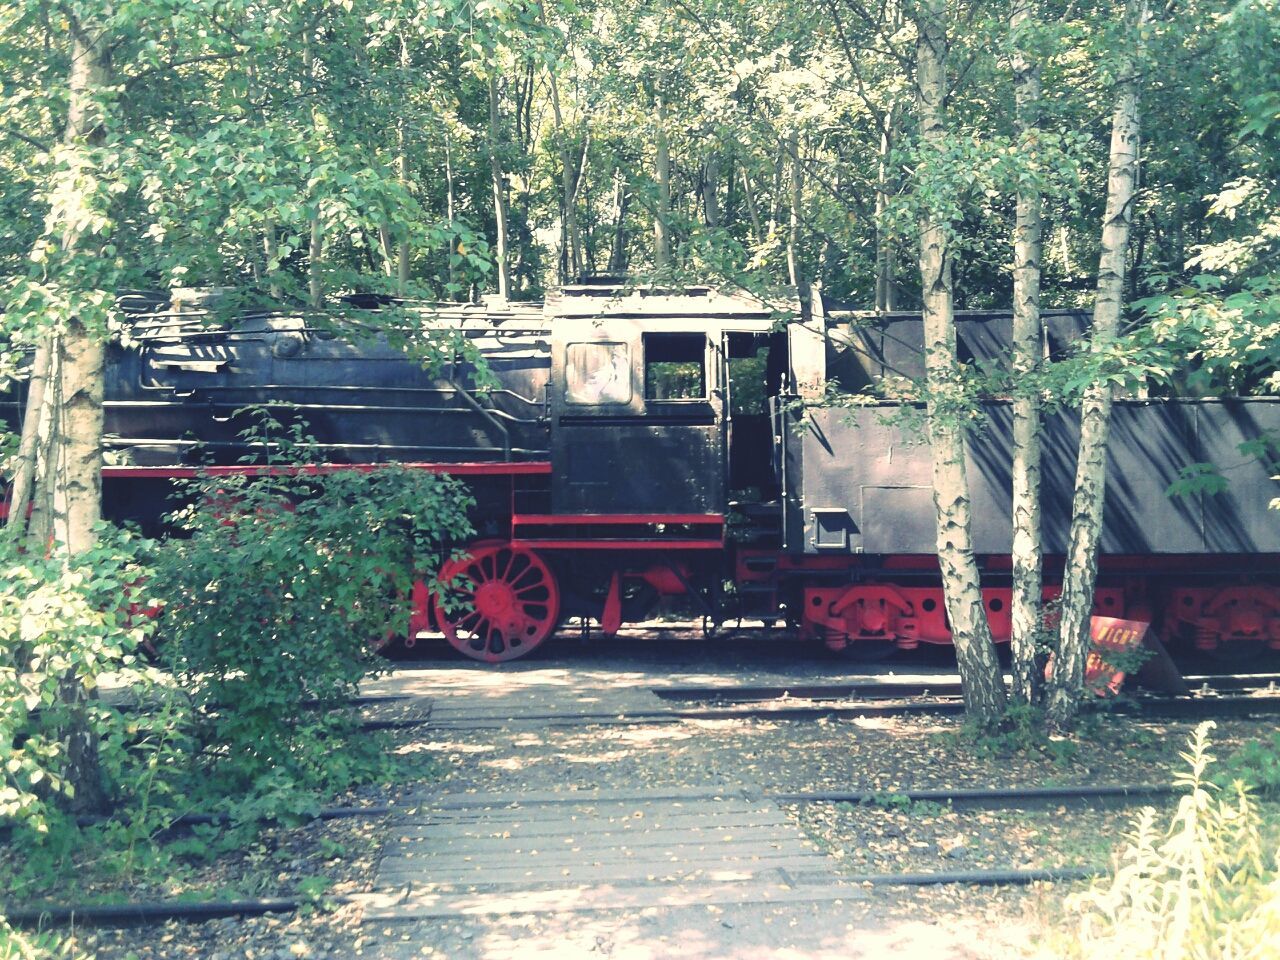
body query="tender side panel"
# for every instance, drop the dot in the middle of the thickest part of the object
(865, 480)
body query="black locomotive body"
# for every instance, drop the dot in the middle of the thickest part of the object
(634, 444)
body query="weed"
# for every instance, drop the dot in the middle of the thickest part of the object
(1205, 886)
(1256, 764)
(1022, 731)
(16, 945)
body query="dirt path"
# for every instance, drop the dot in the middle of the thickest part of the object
(563, 783)
(671, 871)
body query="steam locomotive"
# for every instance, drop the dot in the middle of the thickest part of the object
(636, 444)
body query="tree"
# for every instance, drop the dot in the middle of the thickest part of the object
(157, 178)
(1080, 574)
(1028, 550)
(962, 585)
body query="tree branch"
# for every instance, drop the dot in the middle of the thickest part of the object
(19, 135)
(852, 60)
(178, 64)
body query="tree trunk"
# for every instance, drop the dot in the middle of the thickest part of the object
(711, 190)
(72, 478)
(749, 197)
(570, 257)
(775, 195)
(662, 171)
(388, 251)
(24, 470)
(1028, 552)
(315, 249)
(795, 269)
(1066, 682)
(449, 215)
(886, 292)
(402, 145)
(78, 449)
(979, 669)
(271, 248)
(577, 249)
(315, 255)
(499, 190)
(39, 532)
(618, 249)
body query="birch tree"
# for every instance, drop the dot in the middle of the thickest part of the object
(62, 444)
(1080, 575)
(1027, 550)
(499, 185)
(983, 686)
(662, 177)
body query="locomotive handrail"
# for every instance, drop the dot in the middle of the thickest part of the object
(334, 407)
(127, 442)
(166, 331)
(504, 391)
(474, 404)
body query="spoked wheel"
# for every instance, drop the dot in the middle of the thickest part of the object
(503, 603)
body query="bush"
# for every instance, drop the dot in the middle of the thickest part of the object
(66, 623)
(276, 600)
(1205, 887)
(15, 945)
(273, 603)
(1257, 764)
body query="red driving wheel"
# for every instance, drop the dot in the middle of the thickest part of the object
(503, 602)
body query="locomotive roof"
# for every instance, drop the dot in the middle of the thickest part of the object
(693, 302)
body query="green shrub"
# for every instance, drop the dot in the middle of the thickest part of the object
(273, 603)
(15, 945)
(1206, 886)
(1257, 764)
(276, 599)
(67, 623)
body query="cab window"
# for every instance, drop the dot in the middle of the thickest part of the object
(675, 366)
(598, 372)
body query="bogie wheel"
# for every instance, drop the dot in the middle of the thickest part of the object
(503, 603)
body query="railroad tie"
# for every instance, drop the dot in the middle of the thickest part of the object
(485, 854)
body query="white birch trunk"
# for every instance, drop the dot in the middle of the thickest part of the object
(315, 251)
(1067, 680)
(78, 442)
(73, 476)
(794, 228)
(757, 234)
(979, 669)
(662, 171)
(499, 191)
(388, 251)
(886, 292)
(402, 260)
(449, 214)
(1026, 609)
(24, 467)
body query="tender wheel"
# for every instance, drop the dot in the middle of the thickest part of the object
(504, 602)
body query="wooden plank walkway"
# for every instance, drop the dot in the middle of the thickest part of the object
(484, 854)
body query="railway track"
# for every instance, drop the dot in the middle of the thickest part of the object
(1223, 696)
(131, 913)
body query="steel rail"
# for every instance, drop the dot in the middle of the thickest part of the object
(1183, 708)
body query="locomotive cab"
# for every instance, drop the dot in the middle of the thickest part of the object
(660, 401)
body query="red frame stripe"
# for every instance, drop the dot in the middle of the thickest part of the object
(659, 545)
(551, 519)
